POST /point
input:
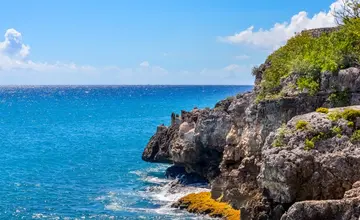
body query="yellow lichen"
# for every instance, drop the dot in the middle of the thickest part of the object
(202, 203)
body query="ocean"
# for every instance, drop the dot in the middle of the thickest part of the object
(74, 152)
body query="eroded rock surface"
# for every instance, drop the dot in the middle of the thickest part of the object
(347, 208)
(232, 146)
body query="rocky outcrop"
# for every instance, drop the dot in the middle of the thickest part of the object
(196, 142)
(257, 167)
(347, 208)
(312, 157)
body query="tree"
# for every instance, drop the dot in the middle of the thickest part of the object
(347, 12)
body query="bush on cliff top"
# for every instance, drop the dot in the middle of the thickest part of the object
(307, 56)
(202, 203)
(322, 110)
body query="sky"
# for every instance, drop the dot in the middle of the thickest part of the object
(130, 42)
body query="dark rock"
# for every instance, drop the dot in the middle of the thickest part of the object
(184, 178)
(347, 208)
(174, 172)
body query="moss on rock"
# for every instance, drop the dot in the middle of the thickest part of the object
(202, 203)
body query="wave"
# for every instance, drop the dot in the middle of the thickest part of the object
(154, 199)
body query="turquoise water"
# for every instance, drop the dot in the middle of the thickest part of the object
(75, 152)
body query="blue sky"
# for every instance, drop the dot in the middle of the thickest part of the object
(147, 42)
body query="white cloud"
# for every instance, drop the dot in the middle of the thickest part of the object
(13, 45)
(233, 68)
(145, 64)
(281, 32)
(242, 57)
(17, 69)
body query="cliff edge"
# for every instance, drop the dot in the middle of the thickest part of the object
(268, 152)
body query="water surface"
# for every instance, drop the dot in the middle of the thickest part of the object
(75, 152)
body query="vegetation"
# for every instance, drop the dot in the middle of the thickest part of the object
(309, 144)
(355, 136)
(335, 115)
(202, 203)
(348, 114)
(255, 70)
(337, 130)
(351, 114)
(322, 110)
(301, 125)
(307, 56)
(279, 140)
(349, 10)
(340, 98)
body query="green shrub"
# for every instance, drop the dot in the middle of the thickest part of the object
(309, 145)
(336, 130)
(335, 115)
(308, 83)
(329, 52)
(318, 137)
(350, 124)
(279, 140)
(338, 99)
(351, 114)
(322, 110)
(355, 136)
(301, 125)
(255, 70)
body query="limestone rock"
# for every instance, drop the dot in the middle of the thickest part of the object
(347, 208)
(313, 163)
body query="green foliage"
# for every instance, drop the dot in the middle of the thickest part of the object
(309, 144)
(350, 124)
(309, 76)
(307, 57)
(335, 115)
(340, 98)
(351, 114)
(322, 110)
(301, 125)
(318, 137)
(355, 136)
(255, 70)
(336, 130)
(347, 11)
(310, 83)
(279, 140)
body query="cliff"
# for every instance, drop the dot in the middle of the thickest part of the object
(266, 151)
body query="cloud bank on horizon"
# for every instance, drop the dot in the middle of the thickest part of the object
(16, 63)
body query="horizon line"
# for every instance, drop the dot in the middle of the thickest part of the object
(49, 85)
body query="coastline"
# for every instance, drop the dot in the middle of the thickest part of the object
(265, 152)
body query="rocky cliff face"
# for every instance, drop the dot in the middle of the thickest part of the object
(234, 146)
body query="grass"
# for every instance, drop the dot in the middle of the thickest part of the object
(307, 57)
(202, 203)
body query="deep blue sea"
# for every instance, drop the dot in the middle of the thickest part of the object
(74, 152)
